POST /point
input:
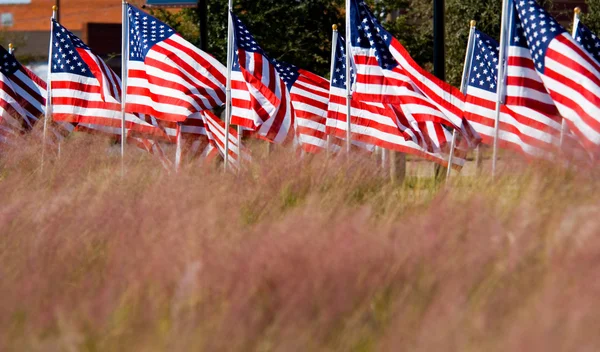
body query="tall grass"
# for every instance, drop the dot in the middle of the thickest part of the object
(292, 255)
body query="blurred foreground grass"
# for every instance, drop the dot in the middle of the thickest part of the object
(292, 255)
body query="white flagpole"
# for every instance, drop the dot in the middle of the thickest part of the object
(348, 80)
(506, 12)
(228, 88)
(334, 39)
(48, 113)
(124, 60)
(178, 147)
(384, 157)
(463, 88)
(563, 126)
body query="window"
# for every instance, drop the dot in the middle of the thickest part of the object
(6, 19)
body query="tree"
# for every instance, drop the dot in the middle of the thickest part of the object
(298, 32)
(591, 17)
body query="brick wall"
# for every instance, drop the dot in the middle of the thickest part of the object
(73, 13)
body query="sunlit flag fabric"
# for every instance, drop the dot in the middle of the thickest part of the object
(570, 74)
(22, 99)
(215, 130)
(309, 94)
(260, 100)
(386, 73)
(167, 76)
(522, 128)
(85, 90)
(371, 123)
(22, 94)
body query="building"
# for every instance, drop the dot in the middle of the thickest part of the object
(26, 23)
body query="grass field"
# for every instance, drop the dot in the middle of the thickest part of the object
(293, 255)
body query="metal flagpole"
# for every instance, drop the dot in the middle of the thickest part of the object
(506, 11)
(178, 148)
(124, 60)
(463, 88)
(348, 80)
(48, 113)
(563, 126)
(384, 157)
(228, 88)
(334, 39)
(11, 48)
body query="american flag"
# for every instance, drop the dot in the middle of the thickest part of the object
(22, 99)
(372, 123)
(309, 94)
(85, 90)
(569, 73)
(386, 73)
(260, 99)
(22, 94)
(168, 77)
(215, 130)
(522, 128)
(587, 39)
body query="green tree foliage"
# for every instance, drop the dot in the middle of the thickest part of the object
(591, 17)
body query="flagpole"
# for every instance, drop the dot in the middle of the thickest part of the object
(228, 88)
(501, 80)
(563, 126)
(463, 88)
(178, 148)
(11, 48)
(124, 59)
(334, 39)
(348, 80)
(240, 131)
(48, 113)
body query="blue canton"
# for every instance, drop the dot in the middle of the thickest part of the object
(145, 31)
(338, 76)
(65, 58)
(587, 39)
(517, 35)
(8, 63)
(368, 33)
(245, 41)
(540, 29)
(484, 63)
(289, 73)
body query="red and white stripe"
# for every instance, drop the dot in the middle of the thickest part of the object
(260, 100)
(572, 77)
(310, 97)
(215, 130)
(174, 81)
(379, 125)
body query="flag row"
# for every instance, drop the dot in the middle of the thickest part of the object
(536, 92)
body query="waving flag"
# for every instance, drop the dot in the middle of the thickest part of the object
(522, 128)
(215, 130)
(569, 73)
(587, 39)
(168, 77)
(373, 124)
(309, 94)
(22, 93)
(386, 73)
(260, 99)
(22, 99)
(85, 90)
